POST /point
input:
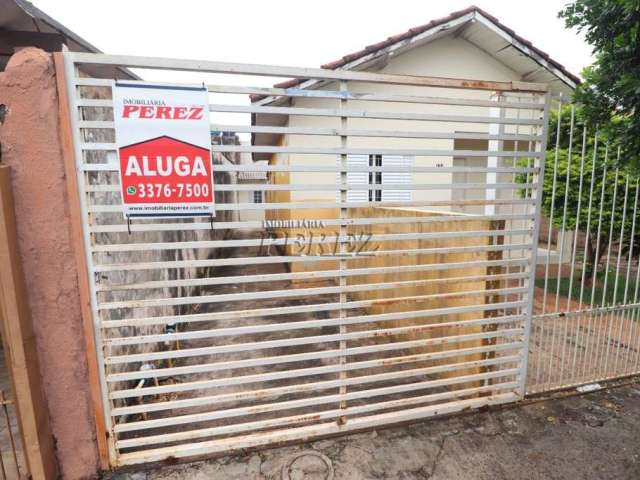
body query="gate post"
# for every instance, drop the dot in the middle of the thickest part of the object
(66, 138)
(31, 146)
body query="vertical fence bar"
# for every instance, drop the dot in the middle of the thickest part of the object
(549, 236)
(552, 211)
(635, 313)
(575, 250)
(615, 315)
(565, 206)
(625, 313)
(343, 232)
(561, 244)
(541, 148)
(587, 241)
(597, 259)
(596, 264)
(635, 337)
(606, 269)
(562, 240)
(586, 244)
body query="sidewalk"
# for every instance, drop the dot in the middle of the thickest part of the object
(591, 437)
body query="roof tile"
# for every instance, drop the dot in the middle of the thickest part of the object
(418, 30)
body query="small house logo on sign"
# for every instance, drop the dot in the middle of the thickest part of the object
(164, 150)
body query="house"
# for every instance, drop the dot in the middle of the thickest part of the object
(469, 44)
(234, 176)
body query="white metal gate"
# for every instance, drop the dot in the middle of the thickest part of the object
(585, 318)
(310, 313)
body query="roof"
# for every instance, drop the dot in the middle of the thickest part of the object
(358, 60)
(22, 17)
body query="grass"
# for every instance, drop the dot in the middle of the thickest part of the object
(588, 289)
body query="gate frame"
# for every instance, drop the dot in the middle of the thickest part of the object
(66, 65)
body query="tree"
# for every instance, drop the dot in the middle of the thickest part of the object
(610, 92)
(573, 220)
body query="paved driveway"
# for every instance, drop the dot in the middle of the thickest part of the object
(594, 437)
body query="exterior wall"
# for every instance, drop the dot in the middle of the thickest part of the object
(443, 290)
(387, 299)
(249, 215)
(283, 196)
(31, 147)
(446, 57)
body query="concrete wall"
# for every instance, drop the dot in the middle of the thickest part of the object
(386, 299)
(31, 146)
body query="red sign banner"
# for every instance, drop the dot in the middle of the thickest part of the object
(168, 172)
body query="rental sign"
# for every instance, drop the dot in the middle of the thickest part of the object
(164, 150)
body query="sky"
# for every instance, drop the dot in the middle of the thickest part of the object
(291, 33)
(285, 32)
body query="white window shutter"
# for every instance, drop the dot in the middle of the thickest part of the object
(403, 178)
(355, 178)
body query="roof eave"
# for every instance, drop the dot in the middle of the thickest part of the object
(454, 22)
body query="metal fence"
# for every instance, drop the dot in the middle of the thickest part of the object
(585, 322)
(12, 464)
(316, 311)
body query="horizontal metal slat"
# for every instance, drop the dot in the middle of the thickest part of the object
(236, 314)
(288, 326)
(265, 242)
(320, 223)
(294, 432)
(520, 261)
(325, 94)
(282, 359)
(294, 72)
(117, 208)
(418, 152)
(271, 294)
(371, 114)
(308, 402)
(310, 187)
(356, 132)
(356, 168)
(371, 97)
(332, 187)
(193, 418)
(268, 344)
(271, 393)
(218, 262)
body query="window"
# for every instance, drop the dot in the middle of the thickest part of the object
(398, 177)
(257, 196)
(365, 179)
(375, 178)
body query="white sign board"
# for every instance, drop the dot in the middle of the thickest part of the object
(164, 150)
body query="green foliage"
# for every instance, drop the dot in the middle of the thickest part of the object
(611, 88)
(553, 205)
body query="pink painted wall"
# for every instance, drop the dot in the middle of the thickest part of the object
(31, 145)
